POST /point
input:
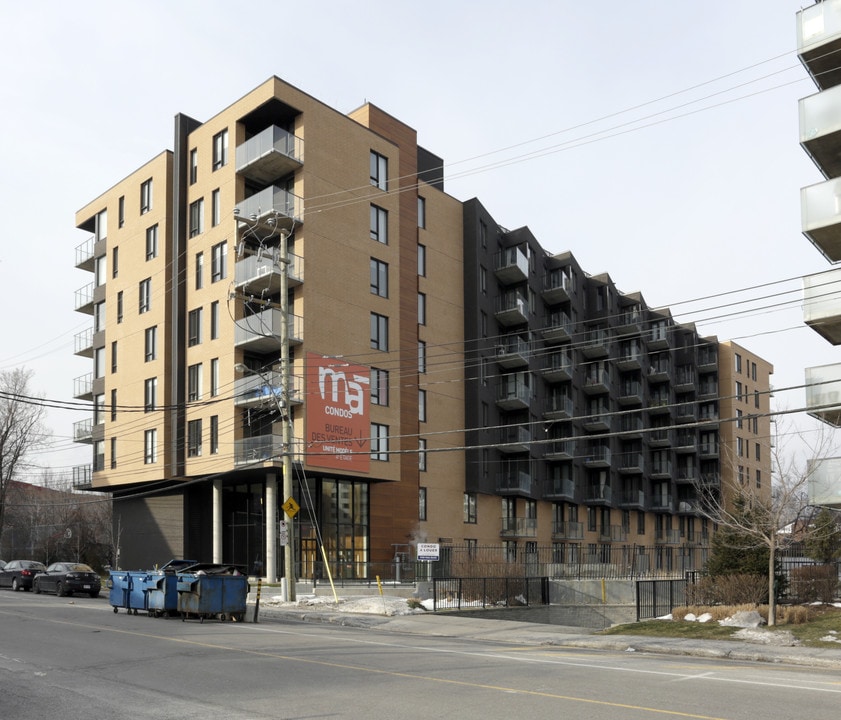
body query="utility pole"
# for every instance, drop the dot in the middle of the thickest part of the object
(286, 418)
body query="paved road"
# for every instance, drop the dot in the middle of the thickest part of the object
(76, 658)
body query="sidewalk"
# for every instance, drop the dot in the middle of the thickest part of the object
(526, 633)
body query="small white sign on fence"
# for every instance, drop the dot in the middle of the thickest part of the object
(429, 551)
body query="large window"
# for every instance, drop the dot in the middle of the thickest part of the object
(150, 447)
(214, 434)
(214, 377)
(421, 356)
(379, 387)
(196, 217)
(470, 508)
(214, 320)
(220, 149)
(422, 503)
(421, 212)
(194, 383)
(422, 405)
(194, 323)
(199, 270)
(379, 224)
(422, 260)
(219, 262)
(422, 454)
(99, 362)
(144, 296)
(379, 331)
(379, 442)
(215, 208)
(151, 343)
(379, 278)
(379, 170)
(421, 308)
(150, 394)
(119, 307)
(152, 242)
(146, 196)
(194, 166)
(193, 438)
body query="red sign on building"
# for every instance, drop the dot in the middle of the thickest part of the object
(337, 424)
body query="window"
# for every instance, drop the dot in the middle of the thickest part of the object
(219, 261)
(756, 451)
(152, 242)
(113, 452)
(422, 405)
(194, 166)
(483, 280)
(113, 404)
(113, 356)
(214, 320)
(740, 449)
(738, 390)
(196, 217)
(214, 434)
(99, 362)
(98, 409)
(483, 235)
(421, 503)
(422, 454)
(119, 307)
(98, 455)
(470, 508)
(151, 343)
(220, 149)
(215, 208)
(379, 442)
(194, 383)
(421, 212)
(421, 308)
(738, 419)
(421, 356)
(145, 196)
(379, 387)
(115, 262)
(753, 371)
(379, 170)
(194, 438)
(199, 270)
(379, 331)
(150, 447)
(144, 295)
(150, 394)
(214, 377)
(98, 317)
(100, 270)
(379, 278)
(379, 224)
(121, 211)
(738, 363)
(759, 478)
(194, 322)
(640, 522)
(756, 398)
(422, 260)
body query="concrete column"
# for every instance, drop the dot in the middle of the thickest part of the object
(271, 527)
(217, 520)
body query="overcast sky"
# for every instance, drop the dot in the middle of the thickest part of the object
(656, 141)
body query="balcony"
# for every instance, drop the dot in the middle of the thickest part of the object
(686, 412)
(83, 343)
(596, 381)
(260, 274)
(659, 370)
(596, 343)
(558, 407)
(84, 299)
(83, 431)
(83, 387)
(597, 419)
(820, 212)
(708, 450)
(710, 480)
(558, 367)
(513, 352)
(631, 425)
(598, 494)
(820, 130)
(825, 482)
(630, 393)
(564, 530)
(511, 266)
(269, 155)
(266, 390)
(661, 437)
(659, 337)
(687, 474)
(684, 378)
(260, 333)
(632, 498)
(823, 393)
(281, 205)
(661, 469)
(513, 393)
(514, 482)
(708, 413)
(598, 456)
(613, 533)
(631, 463)
(514, 439)
(82, 476)
(687, 441)
(668, 536)
(512, 309)
(559, 450)
(84, 254)
(707, 389)
(557, 286)
(819, 40)
(689, 507)
(708, 358)
(630, 356)
(518, 527)
(629, 321)
(660, 403)
(258, 449)
(558, 327)
(822, 304)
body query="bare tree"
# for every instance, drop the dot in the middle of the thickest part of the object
(21, 428)
(759, 518)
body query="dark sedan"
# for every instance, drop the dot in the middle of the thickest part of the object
(18, 574)
(67, 578)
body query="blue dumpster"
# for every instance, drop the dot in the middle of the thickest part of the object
(161, 588)
(128, 590)
(212, 591)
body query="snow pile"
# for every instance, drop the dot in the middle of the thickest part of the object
(363, 604)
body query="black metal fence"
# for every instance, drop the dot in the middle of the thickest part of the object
(656, 598)
(461, 593)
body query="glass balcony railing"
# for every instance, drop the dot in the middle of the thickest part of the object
(271, 201)
(823, 393)
(822, 304)
(261, 332)
(818, 40)
(820, 210)
(825, 482)
(269, 155)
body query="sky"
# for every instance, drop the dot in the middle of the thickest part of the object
(656, 141)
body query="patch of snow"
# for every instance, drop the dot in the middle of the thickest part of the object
(706, 617)
(690, 617)
(832, 637)
(743, 619)
(365, 604)
(766, 637)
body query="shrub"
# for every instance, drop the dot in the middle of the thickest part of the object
(733, 589)
(814, 583)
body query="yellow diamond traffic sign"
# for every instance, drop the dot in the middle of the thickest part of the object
(291, 508)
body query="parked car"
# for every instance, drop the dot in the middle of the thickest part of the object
(18, 574)
(2, 564)
(67, 578)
